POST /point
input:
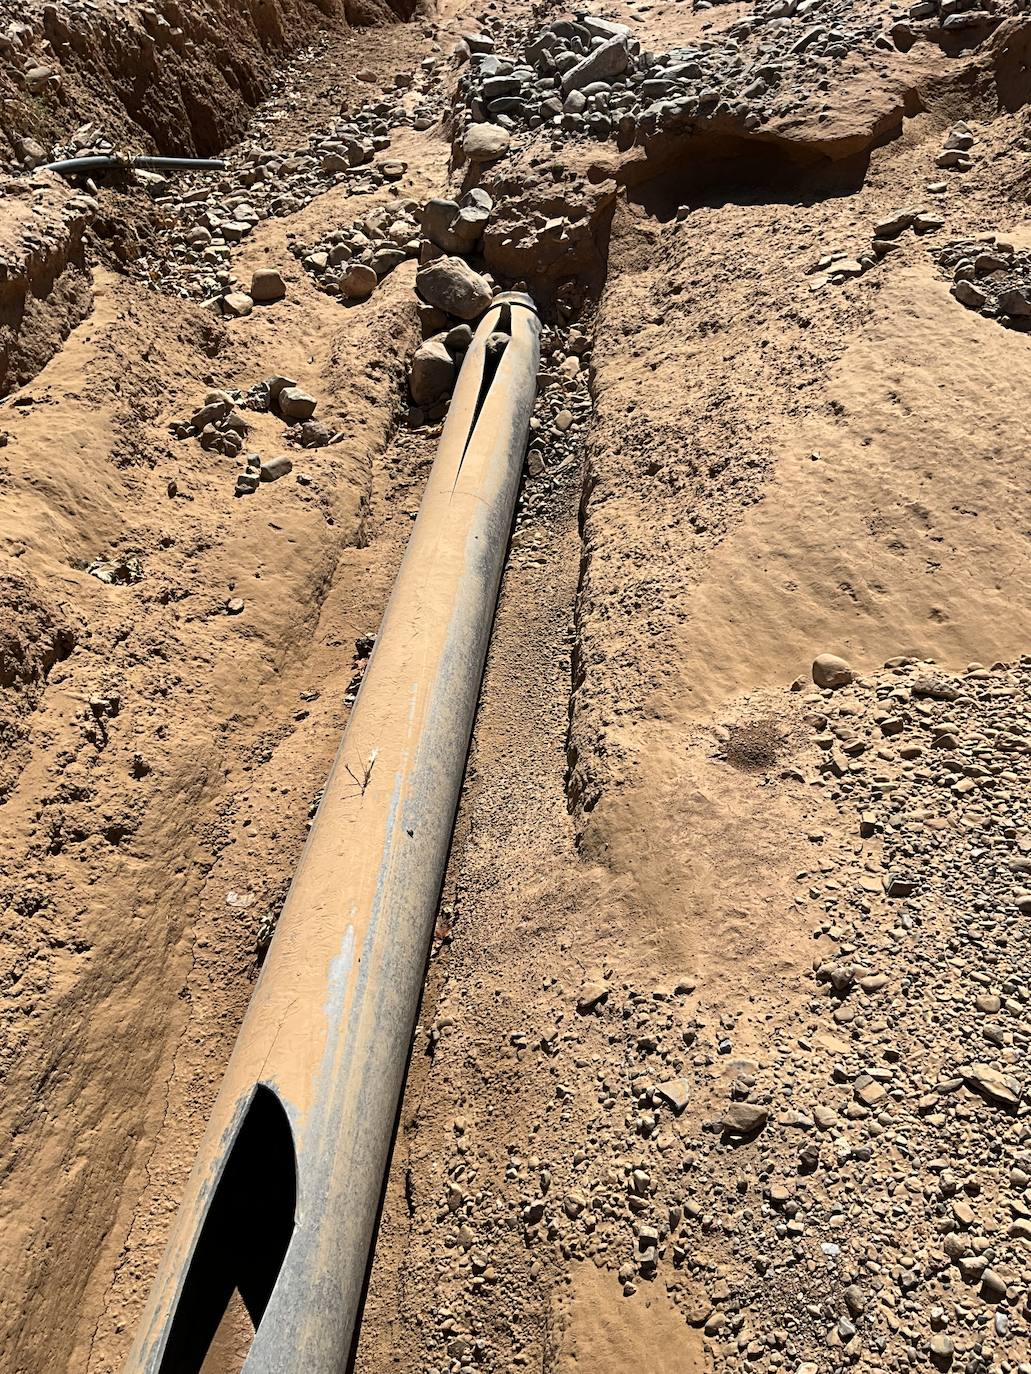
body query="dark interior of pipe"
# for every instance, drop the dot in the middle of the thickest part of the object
(495, 347)
(244, 1238)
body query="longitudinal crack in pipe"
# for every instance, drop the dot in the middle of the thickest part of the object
(323, 1049)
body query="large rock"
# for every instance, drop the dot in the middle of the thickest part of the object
(745, 1119)
(267, 284)
(432, 373)
(453, 286)
(998, 1088)
(237, 304)
(358, 282)
(485, 143)
(295, 404)
(603, 63)
(273, 468)
(967, 294)
(29, 153)
(831, 671)
(1015, 302)
(456, 228)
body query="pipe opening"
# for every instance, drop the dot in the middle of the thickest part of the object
(242, 1243)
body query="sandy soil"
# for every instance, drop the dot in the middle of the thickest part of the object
(665, 857)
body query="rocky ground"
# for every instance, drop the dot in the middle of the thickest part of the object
(722, 1054)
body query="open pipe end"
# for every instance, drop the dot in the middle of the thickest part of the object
(515, 298)
(243, 1239)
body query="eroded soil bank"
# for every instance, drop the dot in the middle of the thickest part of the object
(721, 1058)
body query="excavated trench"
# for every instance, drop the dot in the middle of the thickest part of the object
(541, 605)
(212, 71)
(553, 507)
(45, 284)
(212, 67)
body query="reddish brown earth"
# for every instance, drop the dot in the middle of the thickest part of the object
(674, 856)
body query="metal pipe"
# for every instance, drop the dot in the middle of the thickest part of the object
(108, 162)
(283, 1202)
(181, 164)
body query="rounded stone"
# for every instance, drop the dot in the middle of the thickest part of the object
(485, 143)
(452, 286)
(267, 284)
(831, 671)
(358, 282)
(237, 304)
(432, 373)
(295, 404)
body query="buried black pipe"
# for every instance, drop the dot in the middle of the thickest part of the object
(74, 166)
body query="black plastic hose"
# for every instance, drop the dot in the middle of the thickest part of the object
(108, 162)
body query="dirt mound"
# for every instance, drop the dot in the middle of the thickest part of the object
(45, 287)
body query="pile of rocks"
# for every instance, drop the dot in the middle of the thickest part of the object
(838, 267)
(24, 62)
(215, 424)
(991, 276)
(218, 425)
(955, 154)
(267, 285)
(888, 231)
(199, 219)
(558, 428)
(454, 227)
(205, 218)
(573, 75)
(589, 77)
(351, 262)
(451, 292)
(966, 22)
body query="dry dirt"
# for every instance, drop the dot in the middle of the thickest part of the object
(723, 1047)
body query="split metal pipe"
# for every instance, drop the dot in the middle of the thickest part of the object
(283, 1202)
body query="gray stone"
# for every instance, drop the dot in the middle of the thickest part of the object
(1015, 303)
(993, 1286)
(237, 304)
(603, 63)
(296, 404)
(211, 413)
(967, 294)
(453, 286)
(485, 143)
(436, 218)
(29, 153)
(358, 282)
(267, 284)
(891, 227)
(674, 1094)
(941, 1347)
(745, 1118)
(274, 468)
(277, 384)
(998, 1088)
(831, 671)
(459, 338)
(385, 260)
(432, 374)
(590, 995)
